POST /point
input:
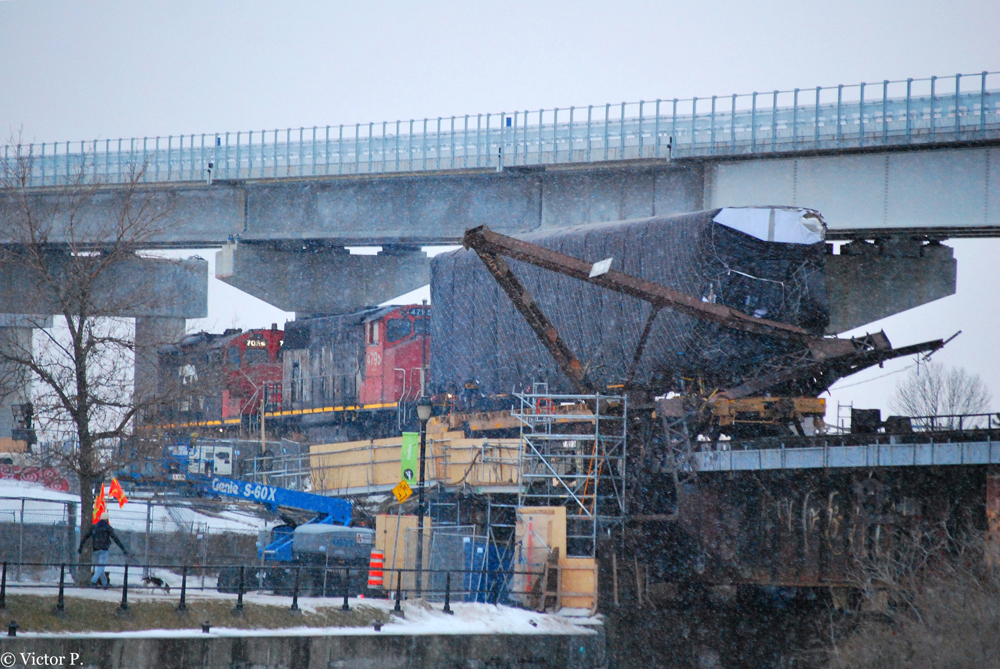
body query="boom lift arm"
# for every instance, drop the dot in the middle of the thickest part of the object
(328, 510)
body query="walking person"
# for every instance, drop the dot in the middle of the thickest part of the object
(102, 534)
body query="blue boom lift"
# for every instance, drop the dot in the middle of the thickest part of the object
(321, 549)
(325, 550)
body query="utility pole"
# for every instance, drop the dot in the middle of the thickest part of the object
(424, 409)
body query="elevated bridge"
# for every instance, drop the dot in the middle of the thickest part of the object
(912, 160)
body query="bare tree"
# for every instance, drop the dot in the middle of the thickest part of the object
(935, 391)
(939, 604)
(68, 253)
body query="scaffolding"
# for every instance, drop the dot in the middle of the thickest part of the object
(573, 455)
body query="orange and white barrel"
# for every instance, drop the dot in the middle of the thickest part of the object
(375, 566)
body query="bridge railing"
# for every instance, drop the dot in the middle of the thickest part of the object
(937, 110)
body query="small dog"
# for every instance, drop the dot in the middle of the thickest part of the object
(154, 582)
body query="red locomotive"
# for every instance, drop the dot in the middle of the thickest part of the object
(211, 377)
(374, 358)
(252, 362)
(396, 352)
(373, 361)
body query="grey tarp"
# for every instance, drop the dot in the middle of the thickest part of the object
(477, 334)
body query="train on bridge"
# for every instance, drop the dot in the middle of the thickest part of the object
(728, 304)
(642, 396)
(378, 357)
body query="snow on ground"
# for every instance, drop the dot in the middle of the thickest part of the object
(10, 488)
(473, 618)
(46, 506)
(43, 506)
(48, 579)
(420, 617)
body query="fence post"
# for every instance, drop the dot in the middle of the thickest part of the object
(239, 597)
(61, 602)
(840, 102)
(447, 594)
(124, 604)
(71, 538)
(982, 107)
(694, 122)
(909, 86)
(182, 605)
(149, 511)
(3, 588)
(795, 117)
(958, 93)
(774, 119)
(20, 542)
(295, 590)
(347, 589)
(885, 108)
(861, 116)
(496, 586)
(816, 117)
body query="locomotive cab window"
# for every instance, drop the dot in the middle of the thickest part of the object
(255, 356)
(372, 333)
(421, 326)
(233, 357)
(396, 329)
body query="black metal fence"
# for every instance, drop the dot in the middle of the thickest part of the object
(492, 587)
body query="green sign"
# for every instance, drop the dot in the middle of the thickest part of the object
(410, 460)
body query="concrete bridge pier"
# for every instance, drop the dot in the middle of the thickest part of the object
(868, 281)
(16, 334)
(160, 294)
(152, 332)
(314, 277)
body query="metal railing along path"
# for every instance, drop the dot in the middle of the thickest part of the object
(469, 585)
(938, 110)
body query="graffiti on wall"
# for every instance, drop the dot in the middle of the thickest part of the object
(48, 477)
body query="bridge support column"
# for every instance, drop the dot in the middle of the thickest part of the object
(151, 332)
(15, 380)
(867, 281)
(159, 293)
(320, 279)
(16, 334)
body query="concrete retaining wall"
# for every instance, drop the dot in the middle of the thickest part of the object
(585, 651)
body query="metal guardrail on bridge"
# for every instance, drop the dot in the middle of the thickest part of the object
(908, 441)
(930, 111)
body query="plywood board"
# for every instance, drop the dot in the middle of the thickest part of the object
(578, 583)
(452, 459)
(390, 536)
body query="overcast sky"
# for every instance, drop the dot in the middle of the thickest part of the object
(73, 70)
